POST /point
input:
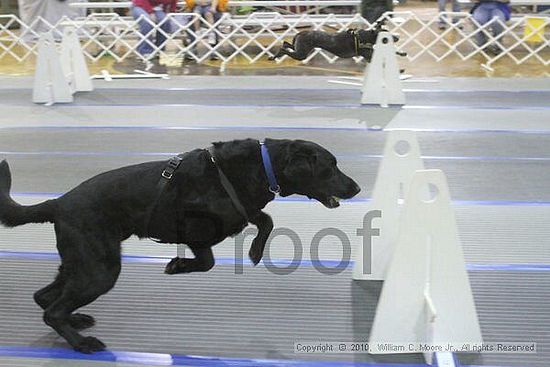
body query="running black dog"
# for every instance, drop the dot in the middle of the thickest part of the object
(198, 199)
(345, 44)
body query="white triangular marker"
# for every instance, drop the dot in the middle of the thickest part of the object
(74, 63)
(427, 297)
(381, 83)
(395, 174)
(50, 85)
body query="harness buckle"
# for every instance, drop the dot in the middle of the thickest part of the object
(275, 190)
(167, 175)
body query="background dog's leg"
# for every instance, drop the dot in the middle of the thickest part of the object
(287, 45)
(203, 261)
(47, 295)
(90, 269)
(265, 225)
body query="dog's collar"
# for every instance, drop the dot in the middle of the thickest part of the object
(268, 169)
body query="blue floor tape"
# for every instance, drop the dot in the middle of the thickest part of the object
(347, 156)
(334, 264)
(53, 195)
(160, 359)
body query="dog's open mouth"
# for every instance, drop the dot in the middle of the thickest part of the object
(331, 202)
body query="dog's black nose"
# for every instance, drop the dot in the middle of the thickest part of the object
(354, 190)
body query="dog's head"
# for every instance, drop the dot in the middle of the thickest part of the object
(311, 170)
(367, 39)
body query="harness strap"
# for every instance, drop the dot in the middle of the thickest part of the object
(165, 177)
(358, 44)
(228, 187)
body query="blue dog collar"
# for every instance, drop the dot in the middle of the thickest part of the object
(273, 186)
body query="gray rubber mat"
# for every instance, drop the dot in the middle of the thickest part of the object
(260, 314)
(468, 179)
(343, 143)
(291, 118)
(300, 82)
(288, 97)
(490, 234)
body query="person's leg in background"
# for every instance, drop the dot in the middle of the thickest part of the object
(441, 7)
(497, 27)
(481, 16)
(456, 8)
(371, 10)
(208, 15)
(145, 26)
(198, 10)
(165, 26)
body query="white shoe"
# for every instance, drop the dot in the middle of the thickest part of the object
(212, 38)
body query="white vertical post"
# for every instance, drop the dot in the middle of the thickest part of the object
(381, 83)
(50, 84)
(74, 63)
(401, 160)
(427, 297)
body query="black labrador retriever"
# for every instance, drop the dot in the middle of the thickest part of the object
(188, 204)
(345, 44)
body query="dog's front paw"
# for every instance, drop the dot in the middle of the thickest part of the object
(180, 265)
(256, 252)
(173, 266)
(89, 345)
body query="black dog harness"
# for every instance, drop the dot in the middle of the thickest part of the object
(165, 177)
(228, 187)
(359, 43)
(175, 162)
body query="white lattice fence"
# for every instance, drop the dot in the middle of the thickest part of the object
(259, 35)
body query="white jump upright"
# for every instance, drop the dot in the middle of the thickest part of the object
(401, 160)
(381, 82)
(73, 62)
(50, 83)
(426, 297)
(59, 75)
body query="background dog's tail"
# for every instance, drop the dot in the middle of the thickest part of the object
(13, 214)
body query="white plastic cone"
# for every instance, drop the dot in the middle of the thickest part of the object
(427, 296)
(74, 63)
(381, 83)
(395, 174)
(50, 84)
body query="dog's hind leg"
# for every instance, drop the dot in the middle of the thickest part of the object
(203, 261)
(47, 295)
(265, 225)
(90, 269)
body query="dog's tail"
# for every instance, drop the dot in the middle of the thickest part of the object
(13, 214)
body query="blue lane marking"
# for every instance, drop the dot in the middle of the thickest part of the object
(51, 256)
(53, 195)
(160, 359)
(339, 156)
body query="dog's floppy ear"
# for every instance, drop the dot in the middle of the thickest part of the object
(300, 161)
